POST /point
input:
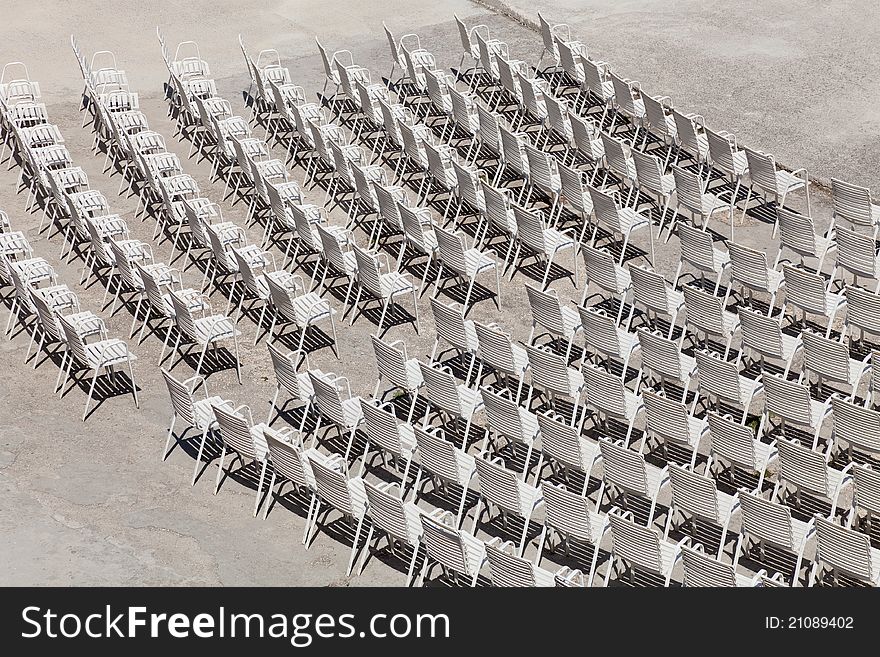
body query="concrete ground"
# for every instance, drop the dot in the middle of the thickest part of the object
(92, 503)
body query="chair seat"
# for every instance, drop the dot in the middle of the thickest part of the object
(352, 412)
(394, 283)
(629, 220)
(215, 327)
(788, 182)
(554, 240)
(414, 378)
(310, 306)
(710, 203)
(571, 321)
(204, 410)
(668, 556)
(108, 352)
(476, 261)
(655, 478)
(529, 497)
(85, 323)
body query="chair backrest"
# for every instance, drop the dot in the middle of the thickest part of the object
(283, 294)
(496, 349)
(550, 372)
(413, 228)
(595, 75)
(694, 494)
(529, 228)
(789, 400)
(380, 425)
(702, 570)
(826, 357)
(749, 267)
(444, 544)
(441, 388)
(624, 467)
(766, 520)
(512, 146)
(697, 248)
(686, 130)
(47, 316)
(689, 190)
(464, 36)
(391, 361)
(623, 94)
(649, 171)
(332, 486)
(665, 418)
(286, 455)
(805, 290)
(858, 426)
(449, 323)
(504, 415)
(235, 430)
(546, 310)
(704, 311)
(661, 356)
(463, 110)
(468, 181)
(635, 544)
(439, 456)
(797, 232)
(531, 96)
(437, 158)
(802, 467)
(584, 134)
(542, 168)
(762, 171)
(368, 271)
(388, 200)
(655, 111)
(569, 513)
(719, 377)
(721, 149)
(75, 342)
(327, 398)
(602, 270)
(573, 189)
(388, 514)
(507, 569)
(857, 253)
(557, 112)
(497, 206)
(490, 129)
(600, 331)
(732, 441)
(285, 365)
(617, 155)
(866, 488)
(852, 202)
(844, 549)
(604, 391)
(182, 400)
(649, 289)
(498, 485)
(862, 309)
(761, 333)
(561, 441)
(452, 250)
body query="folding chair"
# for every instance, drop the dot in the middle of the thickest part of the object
(639, 547)
(736, 444)
(627, 473)
(765, 522)
(459, 553)
(668, 421)
(101, 356)
(335, 489)
(720, 379)
(696, 497)
(566, 449)
(700, 569)
(809, 293)
(245, 440)
(444, 464)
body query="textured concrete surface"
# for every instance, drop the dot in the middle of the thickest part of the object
(91, 503)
